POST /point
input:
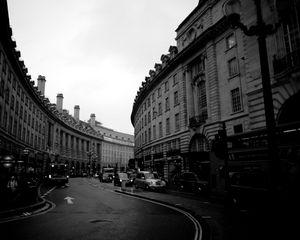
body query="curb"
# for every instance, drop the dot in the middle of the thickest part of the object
(17, 211)
(206, 228)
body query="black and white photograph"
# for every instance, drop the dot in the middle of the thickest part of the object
(149, 119)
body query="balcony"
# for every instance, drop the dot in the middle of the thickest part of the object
(199, 120)
(286, 64)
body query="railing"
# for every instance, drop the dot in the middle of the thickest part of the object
(286, 63)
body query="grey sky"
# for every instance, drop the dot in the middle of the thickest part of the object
(95, 52)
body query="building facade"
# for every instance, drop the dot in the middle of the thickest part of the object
(35, 132)
(117, 148)
(211, 81)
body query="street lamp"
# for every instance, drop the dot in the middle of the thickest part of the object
(26, 153)
(89, 154)
(7, 161)
(231, 9)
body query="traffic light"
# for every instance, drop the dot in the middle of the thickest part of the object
(219, 146)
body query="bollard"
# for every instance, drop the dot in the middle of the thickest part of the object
(123, 186)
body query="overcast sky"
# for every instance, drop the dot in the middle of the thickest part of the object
(95, 52)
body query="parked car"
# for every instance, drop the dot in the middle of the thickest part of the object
(120, 178)
(189, 181)
(107, 175)
(149, 181)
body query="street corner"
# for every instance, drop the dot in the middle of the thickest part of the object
(40, 207)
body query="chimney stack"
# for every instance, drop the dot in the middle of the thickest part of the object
(41, 84)
(59, 102)
(76, 112)
(93, 120)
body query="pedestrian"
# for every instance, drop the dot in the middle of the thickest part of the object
(12, 184)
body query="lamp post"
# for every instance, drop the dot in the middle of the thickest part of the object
(89, 154)
(231, 9)
(94, 156)
(7, 161)
(26, 153)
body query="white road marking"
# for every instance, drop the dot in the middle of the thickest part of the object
(69, 200)
(45, 194)
(198, 228)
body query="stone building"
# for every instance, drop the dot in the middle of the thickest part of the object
(35, 132)
(211, 81)
(117, 147)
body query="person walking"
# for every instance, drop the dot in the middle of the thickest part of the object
(12, 184)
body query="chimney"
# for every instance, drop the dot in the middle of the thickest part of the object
(59, 102)
(93, 119)
(76, 112)
(41, 84)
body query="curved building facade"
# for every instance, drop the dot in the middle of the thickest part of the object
(35, 132)
(210, 82)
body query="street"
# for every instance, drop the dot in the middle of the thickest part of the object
(87, 211)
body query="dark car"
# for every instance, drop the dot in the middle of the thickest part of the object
(189, 181)
(121, 177)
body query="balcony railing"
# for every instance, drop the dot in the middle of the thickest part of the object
(199, 120)
(286, 63)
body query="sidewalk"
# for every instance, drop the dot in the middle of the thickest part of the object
(28, 201)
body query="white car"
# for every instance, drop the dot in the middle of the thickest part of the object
(148, 180)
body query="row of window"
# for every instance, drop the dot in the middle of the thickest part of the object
(158, 94)
(147, 135)
(171, 148)
(18, 115)
(146, 119)
(20, 131)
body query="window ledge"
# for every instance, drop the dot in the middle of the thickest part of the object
(234, 76)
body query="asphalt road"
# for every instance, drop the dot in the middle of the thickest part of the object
(85, 211)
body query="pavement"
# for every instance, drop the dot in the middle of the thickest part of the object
(218, 221)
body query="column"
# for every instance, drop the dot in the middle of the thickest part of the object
(189, 89)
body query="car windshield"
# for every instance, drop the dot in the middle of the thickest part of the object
(111, 170)
(150, 176)
(123, 176)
